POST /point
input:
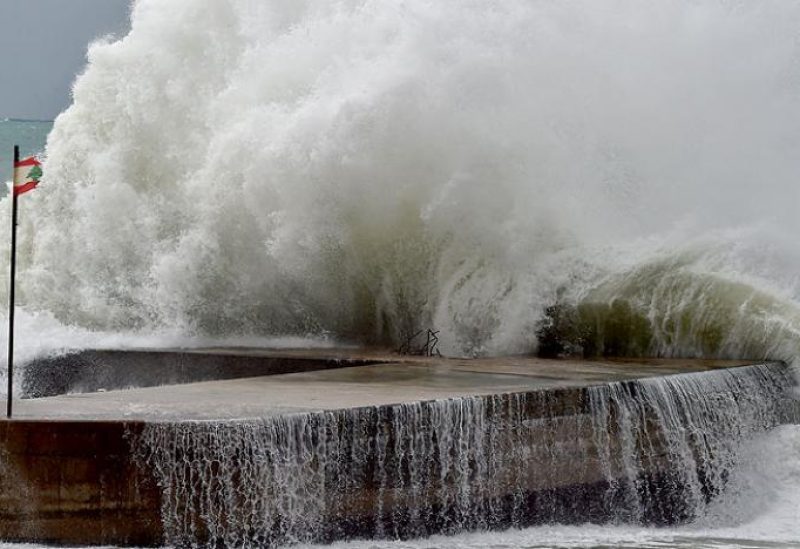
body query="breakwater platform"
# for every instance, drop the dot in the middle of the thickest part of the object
(258, 448)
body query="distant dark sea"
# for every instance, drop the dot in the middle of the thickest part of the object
(30, 135)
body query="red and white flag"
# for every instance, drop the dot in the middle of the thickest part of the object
(27, 173)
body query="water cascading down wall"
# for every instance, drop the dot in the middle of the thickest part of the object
(653, 451)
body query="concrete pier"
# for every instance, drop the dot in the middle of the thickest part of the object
(249, 383)
(69, 473)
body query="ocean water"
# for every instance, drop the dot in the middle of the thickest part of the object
(615, 177)
(30, 135)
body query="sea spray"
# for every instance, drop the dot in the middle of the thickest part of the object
(368, 169)
(652, 451)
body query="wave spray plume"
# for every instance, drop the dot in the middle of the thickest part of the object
(365, 169)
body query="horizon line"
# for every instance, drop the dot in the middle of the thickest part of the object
(10, 119)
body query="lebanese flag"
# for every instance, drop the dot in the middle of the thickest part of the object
(27, 173)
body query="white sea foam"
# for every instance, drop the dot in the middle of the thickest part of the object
(366, 169)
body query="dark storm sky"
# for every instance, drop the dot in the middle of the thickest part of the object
(43, 47)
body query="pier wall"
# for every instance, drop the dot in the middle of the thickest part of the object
(65, 482)
(597, 453)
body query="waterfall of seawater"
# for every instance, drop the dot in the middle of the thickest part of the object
(654, 451)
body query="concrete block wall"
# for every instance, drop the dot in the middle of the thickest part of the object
(75, 483)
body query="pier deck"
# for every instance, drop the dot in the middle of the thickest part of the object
(383, 379)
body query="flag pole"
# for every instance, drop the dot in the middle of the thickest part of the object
(11, 287)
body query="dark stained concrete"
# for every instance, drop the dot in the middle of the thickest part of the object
(93, 370)
(75, 483)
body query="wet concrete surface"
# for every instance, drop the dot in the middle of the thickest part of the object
(391, 379)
